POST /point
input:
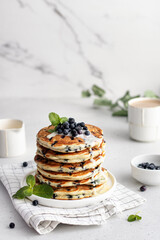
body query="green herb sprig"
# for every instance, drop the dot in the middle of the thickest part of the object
(120, 106)
(55, 119)
(42, 190)
(133, 218)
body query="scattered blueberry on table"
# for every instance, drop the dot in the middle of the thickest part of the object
(147, 165)
(142, 188)
(12, 225)
(25, 164)
(35, 202)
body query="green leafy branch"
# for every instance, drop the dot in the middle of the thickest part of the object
(42, 190)
(120, 106)
(55, 120)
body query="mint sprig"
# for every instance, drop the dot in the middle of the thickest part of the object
(120, 106)
(55, 120)
(133, 218)
(42, 190)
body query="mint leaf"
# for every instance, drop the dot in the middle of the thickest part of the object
(54, 118)
(133, 218)
(30, 180)
(102, 102)
(63, 119)
(98, 91)
(126, 98)
(150, 94)
(138, 217)
(28, 192)
(52, 130)
(86, 93)
(22, 192)
(43, 190)
(114, 105)
(120, 113)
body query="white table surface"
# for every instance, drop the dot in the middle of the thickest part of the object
(119, 151)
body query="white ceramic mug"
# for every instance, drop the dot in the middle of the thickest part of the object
(12, 137)
(144, 122)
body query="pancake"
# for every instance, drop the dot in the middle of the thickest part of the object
(49, 165)
(80, 191)
(62, 143)
(69, 176)
(70, 157)
(95, 180)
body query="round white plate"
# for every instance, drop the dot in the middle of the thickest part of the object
(73, 203)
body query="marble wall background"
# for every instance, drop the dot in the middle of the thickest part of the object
(55, 48)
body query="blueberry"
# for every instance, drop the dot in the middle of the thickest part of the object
(72, 125)
(85, 128)
(140, 165)
(78, 128)
(66, 125)
(59, 130)
(151, 166)
(35, 203)
(62, 127)
(87, 133)
(65, 131)
(157, 167)
(71, 120)
(146, 165)
(12, 225)
(79, 131)
(25, 164)
(58, 127)
(74, 133)
(143, 188)
(82, 124)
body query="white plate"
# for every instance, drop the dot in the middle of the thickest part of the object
(74, 203)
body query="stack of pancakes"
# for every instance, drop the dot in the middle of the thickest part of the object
(71, 165)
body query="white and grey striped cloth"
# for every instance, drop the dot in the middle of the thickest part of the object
(45, 219)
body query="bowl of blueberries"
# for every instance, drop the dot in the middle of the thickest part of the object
(146, 169)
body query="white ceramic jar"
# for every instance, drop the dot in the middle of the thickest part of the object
(144, 122)
(12, 138)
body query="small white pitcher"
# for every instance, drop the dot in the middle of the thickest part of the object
(12, 138)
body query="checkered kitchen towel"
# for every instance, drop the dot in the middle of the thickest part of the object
(45, 219)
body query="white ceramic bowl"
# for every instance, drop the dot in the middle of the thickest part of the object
(146, 176)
